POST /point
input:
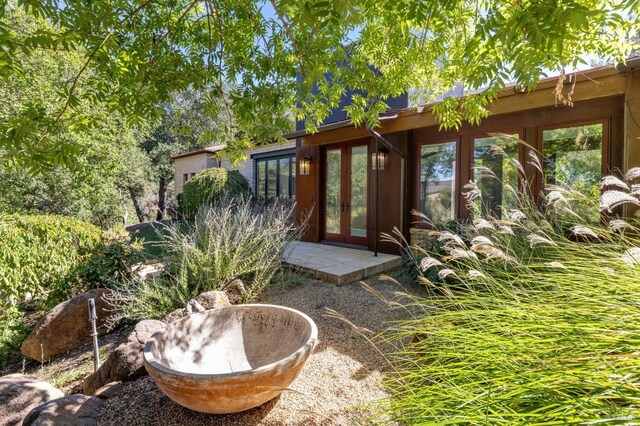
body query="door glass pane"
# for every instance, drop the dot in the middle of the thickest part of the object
(573, 159)
(438, 181)
(272, 178)
(284, 178)
(293, 177)
(261, 179)
(358, 203)
(332, 202)
(495, 173)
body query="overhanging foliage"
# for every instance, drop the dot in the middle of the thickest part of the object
(136, 53)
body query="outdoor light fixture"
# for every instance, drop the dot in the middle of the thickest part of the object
(378, 159)
(305, 165)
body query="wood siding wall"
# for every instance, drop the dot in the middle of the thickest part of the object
(601, 96)
(392, 193)
(308, 194)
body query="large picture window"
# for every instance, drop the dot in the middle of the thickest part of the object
(438, 181)
(519, 154)
(572, 158)
(276, 176)
(495, 173)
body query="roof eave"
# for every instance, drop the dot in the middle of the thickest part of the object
(632, 64)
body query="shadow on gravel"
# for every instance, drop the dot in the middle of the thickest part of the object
(344, 371)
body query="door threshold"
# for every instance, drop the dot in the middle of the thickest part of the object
(345, 245)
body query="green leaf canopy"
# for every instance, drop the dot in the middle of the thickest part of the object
(261, 60)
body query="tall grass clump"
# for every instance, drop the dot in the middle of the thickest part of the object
(531, 318)
(237, 238)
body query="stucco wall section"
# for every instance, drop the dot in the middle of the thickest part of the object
(189, 165)
(247, 168)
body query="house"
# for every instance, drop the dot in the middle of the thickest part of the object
(356, 183)
(270, 169)
(187, 164)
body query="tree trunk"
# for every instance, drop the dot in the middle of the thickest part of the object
(162, 198)
(136, 205)
(123, 204)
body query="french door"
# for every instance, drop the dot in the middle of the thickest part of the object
(345, 193)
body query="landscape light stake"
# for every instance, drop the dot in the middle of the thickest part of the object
(94, 333)
(375, 253)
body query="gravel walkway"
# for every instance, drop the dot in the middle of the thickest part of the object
(343, 374)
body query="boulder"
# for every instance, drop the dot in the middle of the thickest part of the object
(175, 315)
(209, 300)
(213, 300)
(144, 330)
(19, 394)
(126, 362)
(67, 326)
(73, 410)
(149, 269)
(235, 291)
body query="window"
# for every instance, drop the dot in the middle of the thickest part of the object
(572, 158)
(284, 172)
(437, 181)
(261, 181)
(272, 178)
(276, 176)
(575, 147)
(293, 177)
(192, 175)
(495, 173)
(185, 177)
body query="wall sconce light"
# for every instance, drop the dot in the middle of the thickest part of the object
(378, 159)
(305, 165)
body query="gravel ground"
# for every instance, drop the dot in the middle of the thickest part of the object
(343, 374)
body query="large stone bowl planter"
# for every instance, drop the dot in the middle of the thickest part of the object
(231, 359)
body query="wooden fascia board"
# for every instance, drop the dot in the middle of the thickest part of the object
(597, 85)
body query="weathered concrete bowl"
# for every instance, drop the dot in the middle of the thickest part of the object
(232, 359)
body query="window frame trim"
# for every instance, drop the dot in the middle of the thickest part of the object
(267, 158)
(522, 151)
(605, 163)
(418, 164)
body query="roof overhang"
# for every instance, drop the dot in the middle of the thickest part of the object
(632, 64)
(209, 150)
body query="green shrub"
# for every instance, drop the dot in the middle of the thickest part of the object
(233, 239)
(12, 333)
(38, 252)
(108, 266)
(208, 187)
(524, 324)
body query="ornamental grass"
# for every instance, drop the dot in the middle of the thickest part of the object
(532, 317)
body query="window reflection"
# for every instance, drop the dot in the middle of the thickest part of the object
(358, 204)
(275, 177)
(272, 178)
(437, 181)
(495, 173)
(572, 158)
(332, 200)
(284, 173)
(261, 182)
